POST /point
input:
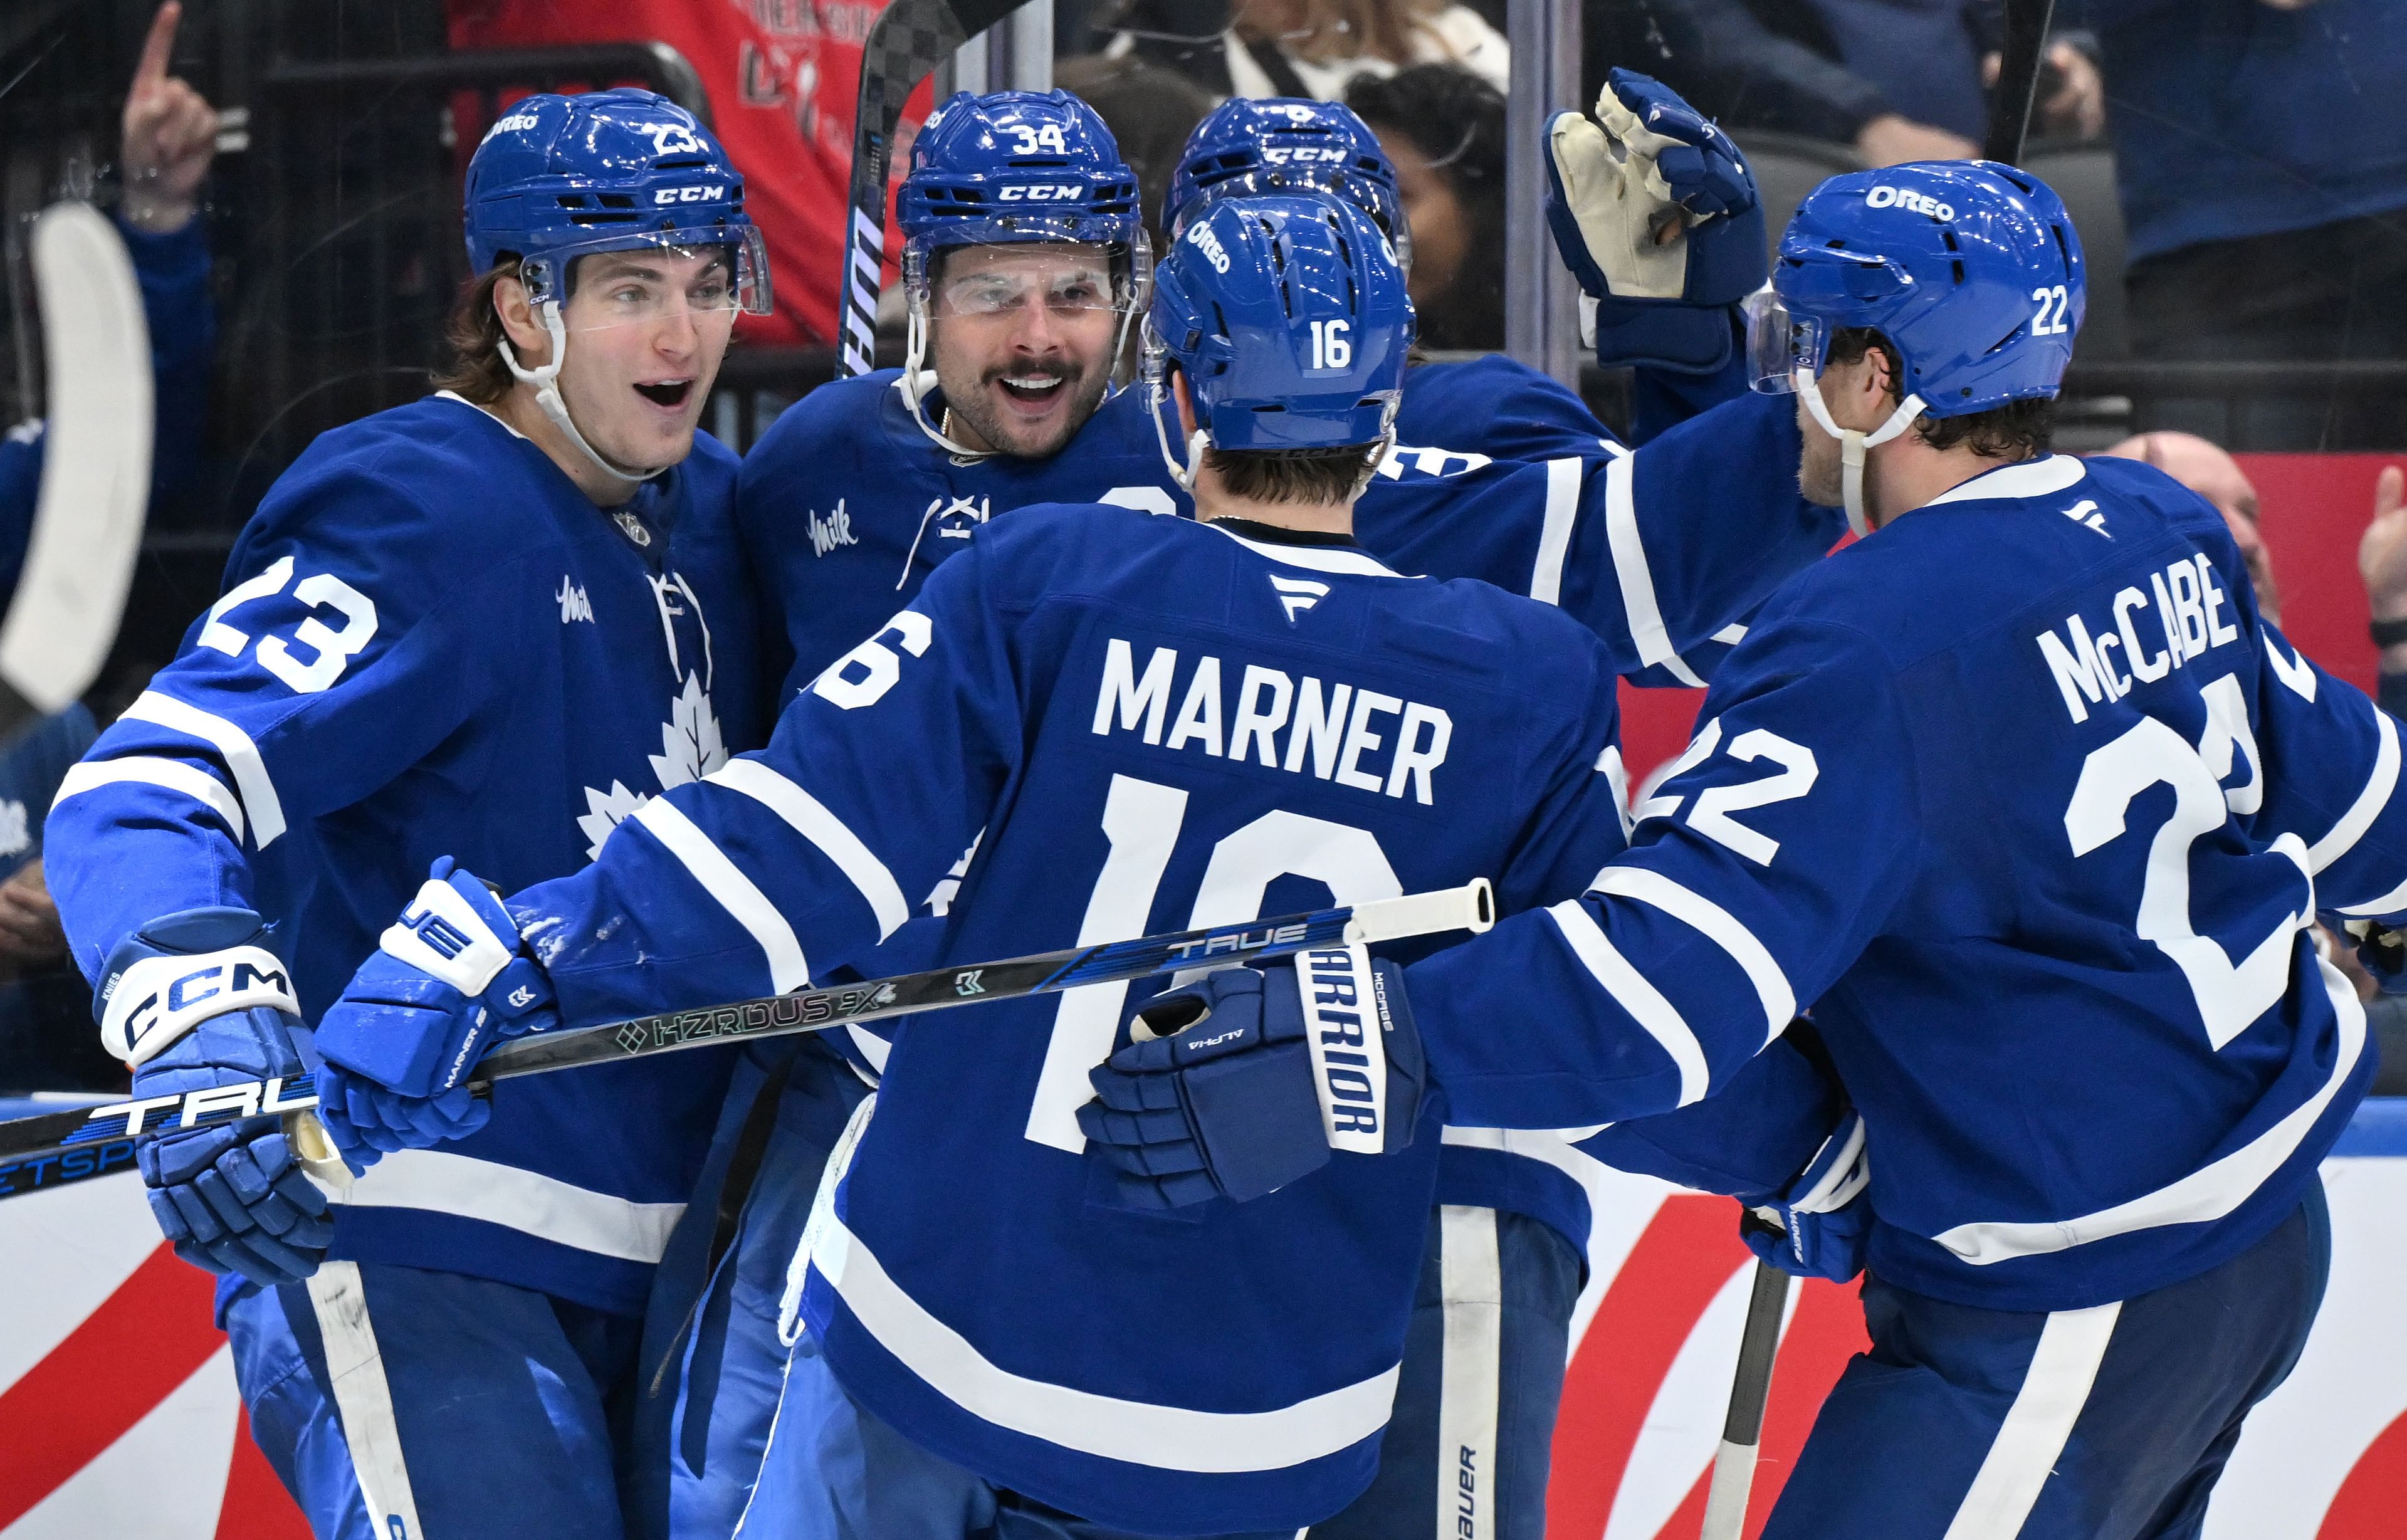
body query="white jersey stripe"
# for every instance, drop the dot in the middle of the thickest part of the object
(364, 1400)
(811, 820)
(1638, 601)
(2063, 1367)
(1718, 925)
(1629, 989)
(2208, 1193)
(1138, 1433)
(746, 903)
(2370, 802)
(234, 746)
(1555, 537)
(442, 1182)
(151, 770)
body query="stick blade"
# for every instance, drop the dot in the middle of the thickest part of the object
(95, 467)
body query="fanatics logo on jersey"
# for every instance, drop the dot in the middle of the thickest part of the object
(834, 530)
(573, 603)
(1298, 594)
(2084, 513)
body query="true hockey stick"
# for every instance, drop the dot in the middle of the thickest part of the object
(909, 40)
(1758, 1344)
(95, 466)
(2024, 46)
(53, 1148)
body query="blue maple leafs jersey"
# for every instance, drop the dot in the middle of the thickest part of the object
(431, 643)
(846, 507)
(1158, 724)
(2031, 807)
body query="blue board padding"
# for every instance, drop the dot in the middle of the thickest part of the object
(2379, 1128)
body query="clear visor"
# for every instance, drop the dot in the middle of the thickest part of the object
(611, 282)
(1063, 278)
(1780, 343)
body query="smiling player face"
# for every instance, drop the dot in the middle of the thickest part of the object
(646, 330)
(1021, 339)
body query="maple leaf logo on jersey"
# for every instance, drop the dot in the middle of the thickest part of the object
(690, 742)
(604, 811)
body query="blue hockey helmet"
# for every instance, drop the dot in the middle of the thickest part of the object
(1970, 269)
(1016, 167)
(1249, 147)
(1288, 318)
(558, 177)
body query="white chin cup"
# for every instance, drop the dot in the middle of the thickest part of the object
(917, 382)
(546, 381)
(1853, 442)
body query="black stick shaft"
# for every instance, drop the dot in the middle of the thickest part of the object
(1758, 1344)
(2025, 43)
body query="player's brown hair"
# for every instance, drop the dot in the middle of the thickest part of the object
(2019, 430)
(1292, 476)
(471, 361)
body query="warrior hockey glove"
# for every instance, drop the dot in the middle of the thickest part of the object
(447, 981)
(1816, 1227)
(1241, 1082)
(194, 1001)
(1613, 184)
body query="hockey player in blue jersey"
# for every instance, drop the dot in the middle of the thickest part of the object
(489, 624)
(2023, 797)
(1153, 721)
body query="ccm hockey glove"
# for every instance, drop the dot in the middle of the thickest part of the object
(449, 979)
(1615, 184)
(1816, 1227)
(194, 1001)
(1247, 1078)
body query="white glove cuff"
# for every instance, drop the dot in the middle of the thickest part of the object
(160, 999)
(1349, 1052)
(442, 933)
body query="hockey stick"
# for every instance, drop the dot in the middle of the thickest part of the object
(52, 1148)
(95, 467)
(909, 40)
(2023, 48)
(1759, 1343)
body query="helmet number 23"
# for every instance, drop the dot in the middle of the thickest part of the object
(1038, 136)
(1331, 349)
(2047, 321)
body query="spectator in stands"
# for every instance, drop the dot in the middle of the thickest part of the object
(2205, 468)
(2262, 161)
(1308, 48)
(1892, 79)
(1443, 128)
(1150, 110)
(168, 141)
(2382, 562)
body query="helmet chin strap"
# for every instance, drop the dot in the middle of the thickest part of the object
(1853, 442)
(1156, 393)
(546, 381)
(918, 382)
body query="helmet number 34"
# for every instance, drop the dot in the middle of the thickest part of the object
(2047, 321)
(1034, 137)
(1330, 350)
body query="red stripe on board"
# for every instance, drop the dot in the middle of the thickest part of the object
(256, 1506)
(146, 1339)
(1689, 1250)
(2374, 1494)
(1825, 1329)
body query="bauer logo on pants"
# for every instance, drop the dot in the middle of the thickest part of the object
(1350, 1062)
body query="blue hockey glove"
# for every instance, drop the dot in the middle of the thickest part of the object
(1816, 1227)
(1615, 183)
(447, 981)
(194, 1001)
(1243, 1082)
